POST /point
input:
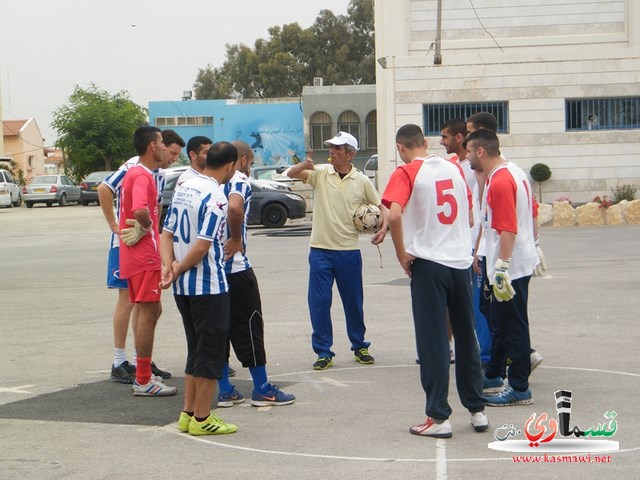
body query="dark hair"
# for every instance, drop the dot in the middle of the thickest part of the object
(143, 136)
(169, 137)
(410, 136)
(220, 154)
(196, 142)
(455, 126)
(484, 120)
(243, 148)
(486, 139)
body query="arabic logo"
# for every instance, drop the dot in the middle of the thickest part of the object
(540, 430)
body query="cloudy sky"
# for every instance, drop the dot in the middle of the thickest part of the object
(150, 48)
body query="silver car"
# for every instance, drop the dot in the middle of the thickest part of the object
(10, 195)
(50, 189)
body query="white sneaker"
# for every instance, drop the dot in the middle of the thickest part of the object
(479, 421)
(154, 388)
(536, 359)
(432, 429)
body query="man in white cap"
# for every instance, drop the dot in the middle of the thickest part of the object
(335, 254)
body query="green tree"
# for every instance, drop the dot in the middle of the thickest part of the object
(96, 130)
(340, 49)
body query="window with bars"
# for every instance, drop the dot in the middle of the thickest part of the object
(320, 130)
(182, 120)
(435, 115)
(371, 126)
(602, 114)
(349, 122)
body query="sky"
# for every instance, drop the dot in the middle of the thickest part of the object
(149, 48)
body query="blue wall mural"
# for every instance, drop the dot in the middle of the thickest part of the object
(273, 130)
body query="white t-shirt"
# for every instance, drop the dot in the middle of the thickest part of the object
(507, 206)
(436, 201)
(239, 185)
(199, 211)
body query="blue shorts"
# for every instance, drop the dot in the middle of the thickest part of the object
(113, 270)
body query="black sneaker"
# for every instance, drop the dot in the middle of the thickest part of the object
(322, 363)
(362, 356)
(125, 373)
(159, 373)
(232, 372)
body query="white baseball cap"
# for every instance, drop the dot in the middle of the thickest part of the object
(343, 138)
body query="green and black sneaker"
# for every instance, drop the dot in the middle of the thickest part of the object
(322, 363)
(362, 356)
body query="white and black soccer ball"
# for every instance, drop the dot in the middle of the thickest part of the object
(367, 218)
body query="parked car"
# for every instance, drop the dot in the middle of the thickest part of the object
(50, 189)
(371, 169)
(270, 206)
(10, 195)
(89, 187)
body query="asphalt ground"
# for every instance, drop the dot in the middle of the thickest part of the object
(61, 417)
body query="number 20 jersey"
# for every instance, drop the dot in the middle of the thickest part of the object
(435, 200)
(199, 211)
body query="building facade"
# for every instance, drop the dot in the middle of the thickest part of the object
(562, 76)
(24, 145)
(348, 108)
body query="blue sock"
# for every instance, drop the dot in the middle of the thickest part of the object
(259, 376)
(224, 385)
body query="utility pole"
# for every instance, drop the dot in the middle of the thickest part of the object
(437, 58)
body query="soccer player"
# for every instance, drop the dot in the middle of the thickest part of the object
(511, 257)
(121, 370)
(140, 254)
(246, 332)
(335, 249)
(429, 217)
(193, 261)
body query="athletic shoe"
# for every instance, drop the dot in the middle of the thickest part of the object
(230, 399)
(159, 373)
(183, 422)
(480, 421)
(211, 426)
(536, 359)
(155, 388)
(274, 397)
(232, 372)
(125, 373)
(362, 356)
(510, 397)
(322, 363)
(492, 385)
(430, 428)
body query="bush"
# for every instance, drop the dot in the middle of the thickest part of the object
(540, 172)
(624, 192)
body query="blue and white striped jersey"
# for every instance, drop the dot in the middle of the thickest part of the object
(239, 185)
(114, 182)
(199, 210)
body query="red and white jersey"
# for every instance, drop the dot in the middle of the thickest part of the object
(507, 206)
(436, 201)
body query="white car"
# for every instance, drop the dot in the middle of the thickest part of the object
(10, 195)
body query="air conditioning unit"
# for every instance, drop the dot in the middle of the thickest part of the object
(317, 81)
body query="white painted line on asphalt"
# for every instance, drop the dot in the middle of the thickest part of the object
(16, 389)
(441, 459)
(333, 382)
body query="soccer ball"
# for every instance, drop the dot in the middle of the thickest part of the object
(367, 218)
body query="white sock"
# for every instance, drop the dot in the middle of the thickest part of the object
(119, 356)
(134, 362)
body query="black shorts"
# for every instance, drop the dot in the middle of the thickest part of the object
(246, 331)
(206, 326)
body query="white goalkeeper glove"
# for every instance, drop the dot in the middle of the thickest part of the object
(501, 282)
(542, 265)
(131, 236)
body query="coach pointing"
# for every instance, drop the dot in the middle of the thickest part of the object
(338, 190)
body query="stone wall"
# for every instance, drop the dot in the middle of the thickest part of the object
(562, 214)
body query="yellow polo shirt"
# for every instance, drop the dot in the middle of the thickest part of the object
(335, 200)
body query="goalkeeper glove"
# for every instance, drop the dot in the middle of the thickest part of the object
(501, 282)
(542, 265)
(131, 236)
